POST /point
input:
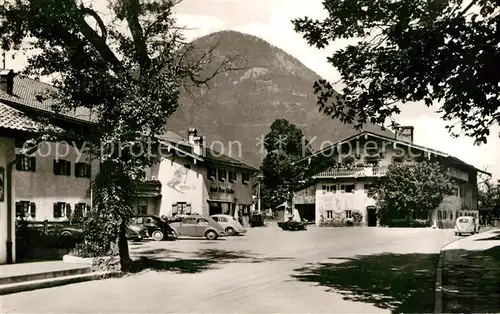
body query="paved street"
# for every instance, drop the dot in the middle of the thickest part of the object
(342, 270)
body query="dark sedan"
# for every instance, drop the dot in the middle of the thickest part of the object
(158, 228)
(74, 233)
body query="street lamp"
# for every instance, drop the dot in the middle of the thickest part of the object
(259, 203)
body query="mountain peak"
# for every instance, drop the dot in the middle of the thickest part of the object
(238, 108)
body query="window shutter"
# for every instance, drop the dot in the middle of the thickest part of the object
(188, 208)
(55, 170)
(33, 210)
(56, 212)
(19, 212)
(68, 210)
(68, 168)
(18, 162)
(33, 164)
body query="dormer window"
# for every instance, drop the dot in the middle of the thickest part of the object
(211, 174)
(222, 175)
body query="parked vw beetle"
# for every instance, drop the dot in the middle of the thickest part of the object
(230, 224)
(197, 226)
(466, 224)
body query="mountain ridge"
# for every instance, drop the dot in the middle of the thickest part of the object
(240, 106)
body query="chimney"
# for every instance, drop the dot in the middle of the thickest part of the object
(7, 81)
(198, 146)
(192, 133)
(404, 133)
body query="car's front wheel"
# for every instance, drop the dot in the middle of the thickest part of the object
(211, 235)
(157, 235)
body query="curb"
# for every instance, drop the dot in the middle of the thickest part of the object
(438, 288)
(71, 259)
(55, 282)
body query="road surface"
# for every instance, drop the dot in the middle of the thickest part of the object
(321, 270)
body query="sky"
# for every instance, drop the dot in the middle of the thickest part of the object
(271, 21)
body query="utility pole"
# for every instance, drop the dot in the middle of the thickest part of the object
(258, 201)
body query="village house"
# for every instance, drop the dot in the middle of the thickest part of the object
(194, 179)
(340, 195)
(43, 180)
(51, 181)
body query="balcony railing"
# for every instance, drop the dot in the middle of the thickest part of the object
(353, 172)
(458, 174)
(148, 188)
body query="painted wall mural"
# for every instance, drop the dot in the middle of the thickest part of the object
(179, 179)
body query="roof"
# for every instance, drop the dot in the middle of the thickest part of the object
(27, 93)
(14, 119)
(216, 157)
(177, 143)
(396, 141)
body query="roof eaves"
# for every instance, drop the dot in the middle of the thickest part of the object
(176, 148)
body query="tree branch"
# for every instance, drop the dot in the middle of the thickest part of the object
(132, 9)
(98, 42)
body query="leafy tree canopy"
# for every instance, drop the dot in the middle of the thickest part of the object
(127, 65)
(489, 194)
(412, 187)
(285, 145)
(438, 51)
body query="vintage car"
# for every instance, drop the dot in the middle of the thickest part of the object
(230, 224)
(466, 224)
(74, 233)
(293, 225)
(197, 226)
(158, 228)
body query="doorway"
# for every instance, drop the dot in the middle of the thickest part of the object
(371, 212)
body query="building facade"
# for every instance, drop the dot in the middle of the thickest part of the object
(193, 179)
(33, 184)
(54, 182)
(342, 192)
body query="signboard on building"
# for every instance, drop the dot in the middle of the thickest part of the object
(221, 191)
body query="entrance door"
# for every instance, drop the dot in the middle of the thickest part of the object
(371, 216)
(214, 208)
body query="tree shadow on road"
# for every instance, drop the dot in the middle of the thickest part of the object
(472, 281)
(398, 282)
(164, 260)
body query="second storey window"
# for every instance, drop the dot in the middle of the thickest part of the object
(82, 170)
(25, 163)
(232, 176)
(211, 173)
(25, 209)
(245, 178)
(62, 210)
(62, 167)
(222, 175)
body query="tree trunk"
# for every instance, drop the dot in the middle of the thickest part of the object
(125, 260)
